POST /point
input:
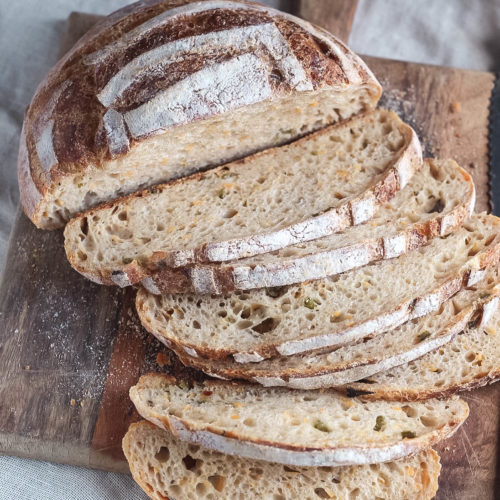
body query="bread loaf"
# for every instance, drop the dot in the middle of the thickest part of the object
(320, 428)
(263, 203)
(161, 89)
(167, 468)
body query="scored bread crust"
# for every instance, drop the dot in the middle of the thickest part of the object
(470, 273)
(273, 451)
(322, 374)
(353, 211)
(144, 443)
(240, 275)
(86, 114)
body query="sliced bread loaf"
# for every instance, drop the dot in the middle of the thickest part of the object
(372, 355)
(167, 468)
(263, 203)
(161, 89)
(294, 427)
(438, 198)
(259, 324)
(471, 360)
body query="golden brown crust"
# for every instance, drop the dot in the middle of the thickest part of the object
(66, 122)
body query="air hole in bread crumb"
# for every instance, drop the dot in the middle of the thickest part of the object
(81, 255)
(201, 488)
(189, 462)
(321, 493)
(163, 454)
(410, 412)
(196, 324)
(354, 493)
(230, 213)
(176, 490)
(243, 324)
(309, 398)
(250, 422)
(428, 421)
(84, 226)
(490, 240)
(268, 325)
(217, 481)
(255, 472)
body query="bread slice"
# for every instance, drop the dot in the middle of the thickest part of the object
(167, 468)
(265, 202)
(258, 324)
(160, 89)
(291, 427)
(372, 355)
(437, 199)
(471, 360)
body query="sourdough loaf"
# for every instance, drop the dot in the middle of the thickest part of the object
(258, 324)
(471, 360)
(167, 468)
(161, 89)
(437, 200)
(294, 427)
(357, 361)
(262, 203)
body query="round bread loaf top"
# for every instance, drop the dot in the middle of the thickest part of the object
(159, 90)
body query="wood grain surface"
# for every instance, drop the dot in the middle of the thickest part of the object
(70, 349)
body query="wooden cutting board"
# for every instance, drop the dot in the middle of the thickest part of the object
(70, 349)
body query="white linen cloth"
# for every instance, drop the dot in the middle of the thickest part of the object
(457, 33)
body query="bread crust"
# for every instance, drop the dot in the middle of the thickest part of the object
(227, 277)
(352, 212)
(89, 110)
(258, 449)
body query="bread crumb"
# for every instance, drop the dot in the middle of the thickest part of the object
(456, 107)
(72, 402)
(27, 367)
